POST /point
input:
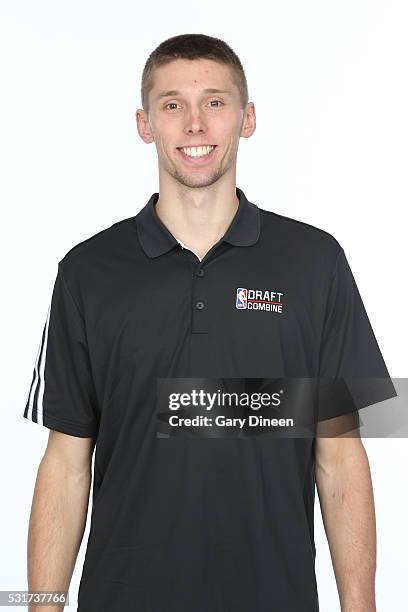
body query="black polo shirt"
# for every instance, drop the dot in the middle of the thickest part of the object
(191, 519)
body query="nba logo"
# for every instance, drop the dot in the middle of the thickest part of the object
(241, 300)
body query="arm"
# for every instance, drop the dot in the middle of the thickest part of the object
(344, 486)
(58, 514)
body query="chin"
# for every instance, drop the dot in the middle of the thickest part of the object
(197, 181)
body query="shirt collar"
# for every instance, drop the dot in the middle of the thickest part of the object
(156, 239)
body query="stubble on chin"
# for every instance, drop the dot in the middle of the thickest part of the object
(191, 181)
(195, 182)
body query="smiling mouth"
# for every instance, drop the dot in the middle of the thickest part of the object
(194, 154)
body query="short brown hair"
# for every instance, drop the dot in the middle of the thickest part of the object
(193, 46)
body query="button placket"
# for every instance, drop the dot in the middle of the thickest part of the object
(199, 304)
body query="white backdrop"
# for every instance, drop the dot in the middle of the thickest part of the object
(329, 83)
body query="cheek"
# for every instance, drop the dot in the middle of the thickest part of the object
(166, 133)
(164, 145)
(226, 130)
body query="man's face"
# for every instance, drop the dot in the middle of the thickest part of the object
(183, 114)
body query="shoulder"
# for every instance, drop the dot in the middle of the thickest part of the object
(297, 237)
(105, 245)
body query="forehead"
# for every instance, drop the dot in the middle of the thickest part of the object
(192, 76)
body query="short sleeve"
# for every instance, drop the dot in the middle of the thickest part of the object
(62, 395)
(352, 373)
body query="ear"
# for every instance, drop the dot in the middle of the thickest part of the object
(143, 126)
(249, 122)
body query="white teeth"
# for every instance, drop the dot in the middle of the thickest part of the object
(197, 151)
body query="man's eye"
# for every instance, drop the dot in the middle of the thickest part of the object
(213, 103)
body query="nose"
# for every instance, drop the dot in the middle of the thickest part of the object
(195, 123)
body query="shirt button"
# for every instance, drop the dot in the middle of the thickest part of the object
(200, 305)
(200, 272)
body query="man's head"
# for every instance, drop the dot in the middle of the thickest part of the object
(194, 93)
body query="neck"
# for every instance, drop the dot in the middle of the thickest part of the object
(198, 217)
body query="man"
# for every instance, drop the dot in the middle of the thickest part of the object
(199, 284)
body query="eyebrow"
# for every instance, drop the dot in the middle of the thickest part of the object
(175, 92)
